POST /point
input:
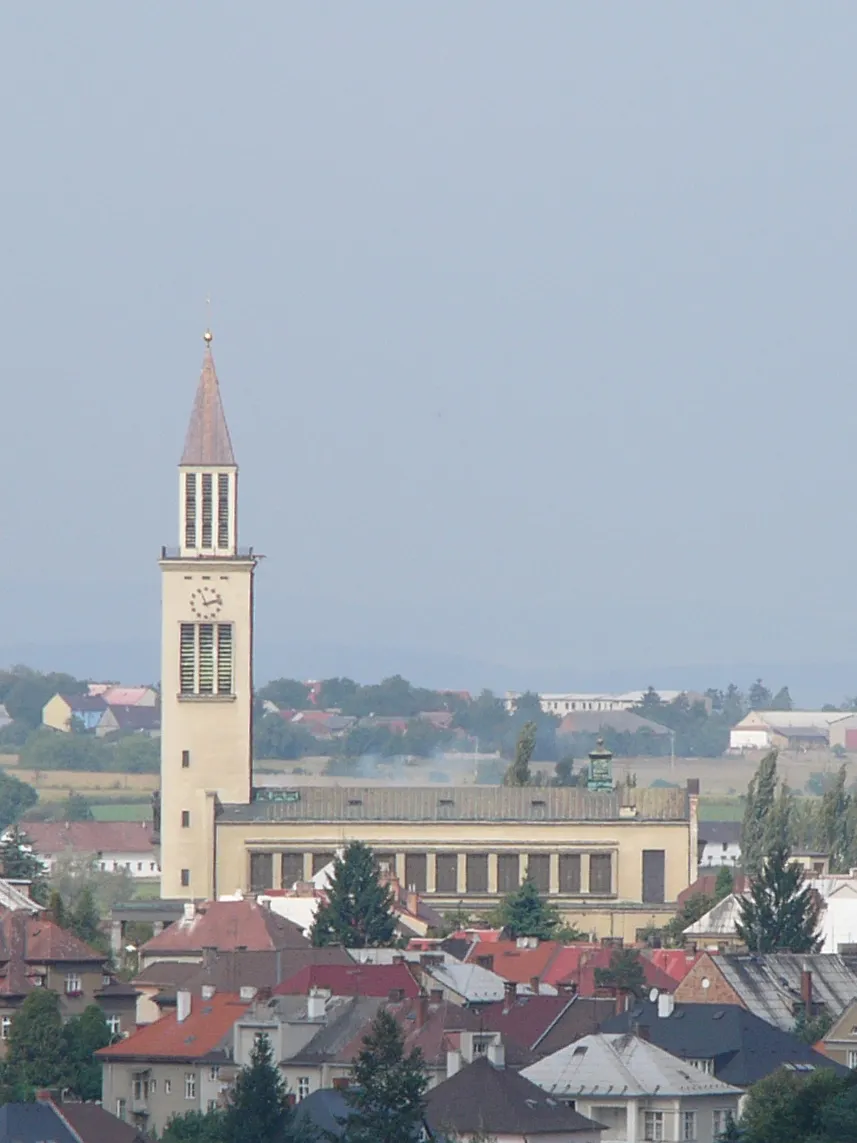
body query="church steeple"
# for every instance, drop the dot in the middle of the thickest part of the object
(208, 491)
(207, 441)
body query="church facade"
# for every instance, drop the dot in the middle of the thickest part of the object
(613, 861)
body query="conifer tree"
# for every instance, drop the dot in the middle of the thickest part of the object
(259, 1109)
(19, 861)
(725, 883)
(755, 828)
(625, 972)
(84, 920)
(387, 1097)
(358, 912)
(833, 823)
(525, 914)
(781, 913)
(519, 773)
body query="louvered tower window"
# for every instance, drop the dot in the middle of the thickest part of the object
(207, 511)
(187, 663)
(223, 510)
(206, 664)
(206, 658)
(224, 658)
(190, 509)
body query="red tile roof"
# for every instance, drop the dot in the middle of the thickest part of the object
(202, 1032)
(526, 1019)
(676, 963)
(90, 837)
(576, 964)
(226, 925)
(515, 963)
(43, 940)
(351, 980)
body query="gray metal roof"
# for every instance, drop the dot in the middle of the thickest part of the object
(717, 833)
(770, 985)
(461, 803)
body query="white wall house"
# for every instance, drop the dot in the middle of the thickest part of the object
(112, 846)
(638, 1091)
(759, 729)
(570, 702)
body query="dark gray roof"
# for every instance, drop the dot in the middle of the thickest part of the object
(461, 803)
(347, 1019)
(593, 721)
(744, 1047)
(717, 833)
(770, 984)
(64, 1123)
(498, 1101)
(822, 733)
(324, 1109)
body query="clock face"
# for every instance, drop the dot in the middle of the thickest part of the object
(205, 603)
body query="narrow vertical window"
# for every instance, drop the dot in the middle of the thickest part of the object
(206, 658)
(190, 509)
(224, 658)
(223, 510)
(185, 759)
(207, 511)
(187, 659)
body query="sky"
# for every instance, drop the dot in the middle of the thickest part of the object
(534, 325)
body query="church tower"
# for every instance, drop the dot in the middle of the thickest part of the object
(206, 652)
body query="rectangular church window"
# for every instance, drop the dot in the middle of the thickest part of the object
(207, 511)
(223, 510)
(187, 659)
(224, 658)
(190, 509)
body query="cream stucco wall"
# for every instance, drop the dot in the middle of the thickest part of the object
(216, 730)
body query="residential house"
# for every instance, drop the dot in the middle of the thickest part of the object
(351, 980)
(322, 724)
(786, 729)
(182, 1062)
(487, 1099)
(778, 987)
(116, 695)
(224, 926)
(130, 719)
(636, 1089)
(63, 712)
(840, 1042)
(111, 846)
(721, 843)
(718, 928)
(726, 1041)
(540, 1025)
(570, 702)
(36, 953)
(64, 1123)
(575, 967)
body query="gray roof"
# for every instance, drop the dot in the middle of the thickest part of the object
(475, 983)
(346, 1020)
(207, 441)
(717, 833)
(462, 804)
(621, 1066)
(592, 721)
(770, 984)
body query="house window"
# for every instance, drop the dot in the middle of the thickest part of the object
(538, 871)
(223, 510)
(168, 1087)
(600, 873)
(653, 1126)
(654, 876)
(303, 1087)
(720, 1121)
(190, 1085)
(185, 759)
(214, 1073)
(207, 510)
(120, 1109)
(151, 867)
(852, 1058)
(185, 877)
(706, 1066)
(212, 1105)
(114, 1023)
(185, 819)
(153, 1086)
(73, 986)
(190, 510)
(139, 866)
(5, 1026)
(688, 1126)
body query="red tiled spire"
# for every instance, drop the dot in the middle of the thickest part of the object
(207, 441)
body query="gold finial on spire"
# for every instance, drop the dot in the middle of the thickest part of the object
(208, 336)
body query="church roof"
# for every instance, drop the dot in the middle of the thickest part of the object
(207, 441)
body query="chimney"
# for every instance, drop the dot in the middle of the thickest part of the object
(509, 993)
(436, 996)
(666, 1005)
(693, 786)
(43, 1096)
(188, 911)
(413, 901)
(399, 958)
(806, 989)
(208, 991)
(534, 985)
(453, 1063)
(316, 1003)
(620, 1001)
(182, 1005)
(497, 1054)
(422, 1008)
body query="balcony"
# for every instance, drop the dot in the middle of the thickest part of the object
(240, 554)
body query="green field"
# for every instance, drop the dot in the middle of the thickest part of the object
(122, 812)
(721, 809)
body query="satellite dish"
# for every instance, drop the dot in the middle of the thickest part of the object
(706, 983)
(653, 994)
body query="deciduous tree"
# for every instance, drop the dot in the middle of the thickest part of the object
(758, 809)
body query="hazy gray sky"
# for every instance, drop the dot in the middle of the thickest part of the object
(534, 324)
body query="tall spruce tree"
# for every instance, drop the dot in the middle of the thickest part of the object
(625, 972)
(525, 914)
(519, 773)
(387, 1097)
(757, 811)
(781, 913)
(358, 912)
(725, 883)
(259, 1108)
